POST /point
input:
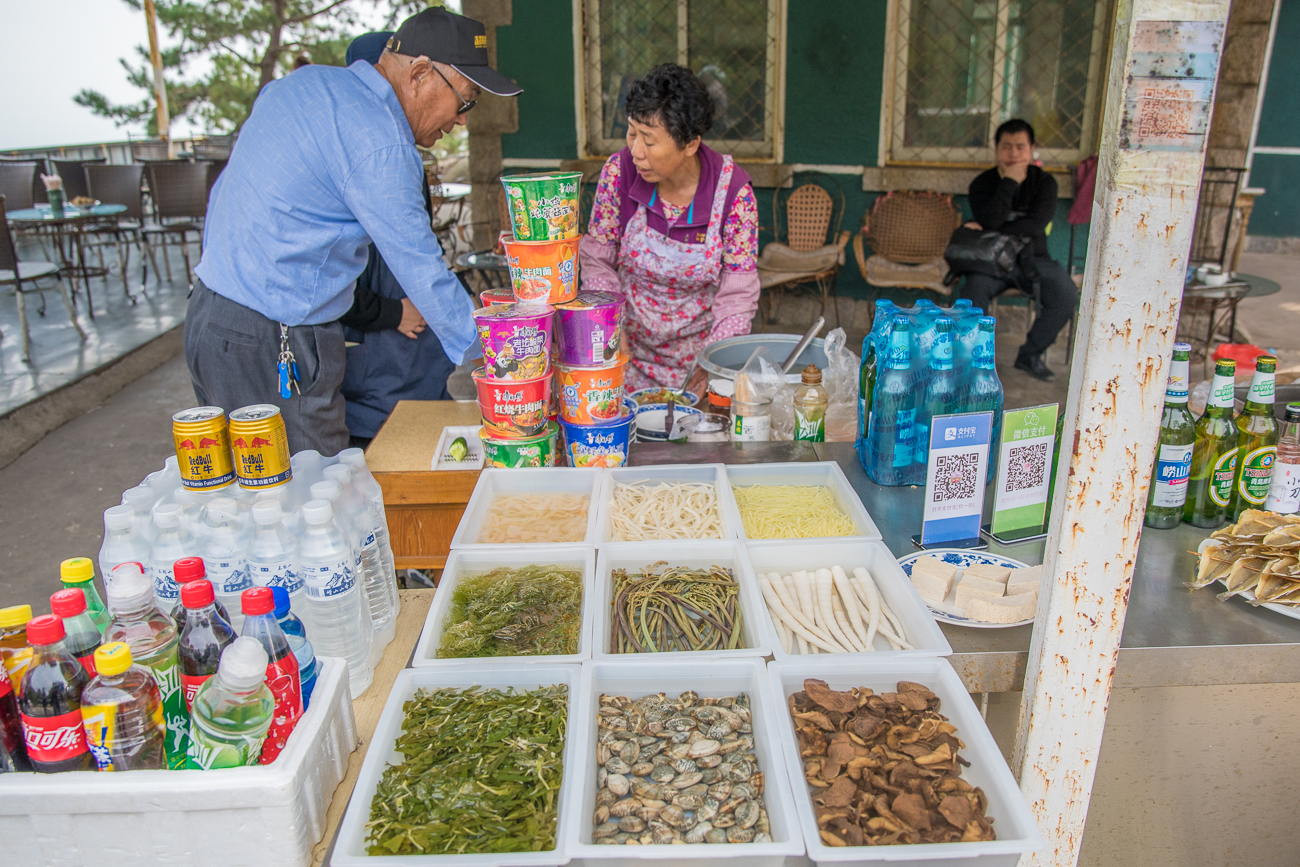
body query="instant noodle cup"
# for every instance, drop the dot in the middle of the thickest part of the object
(588, 330)
(591, 395)
(543, 272)
(543, 206)
(496, 296)
(512, 409)
(598, 445)
(515, 339)
(536, 451)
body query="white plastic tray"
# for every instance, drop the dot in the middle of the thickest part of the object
(478, 560)
(722, 677)
(474, 458)
(494, 481)
(709, 474)
(696, 555)
(786, 556)
(350, 849)
(271, 814)
(824, 473)
(1012, 821)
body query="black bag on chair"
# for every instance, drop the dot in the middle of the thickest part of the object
(973, 251)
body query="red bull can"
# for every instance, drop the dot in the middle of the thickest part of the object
(203, 448)
(261, 446)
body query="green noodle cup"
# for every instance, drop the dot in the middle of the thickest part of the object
(543, 207)
(536, 451)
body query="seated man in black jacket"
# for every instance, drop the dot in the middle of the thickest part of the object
(1016, 198)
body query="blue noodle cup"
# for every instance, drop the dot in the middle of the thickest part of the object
(598, 445)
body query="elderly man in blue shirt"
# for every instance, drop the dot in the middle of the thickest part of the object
(326, 164)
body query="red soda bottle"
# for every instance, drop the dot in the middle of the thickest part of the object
(189, 569)
(13, 752)
(203, 637)
(82, 635)
(50, 704)
(281, 671)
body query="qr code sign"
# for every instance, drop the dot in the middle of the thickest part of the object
(1025, 467)
(954, 477)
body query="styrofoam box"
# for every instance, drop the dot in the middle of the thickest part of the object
(494, 481)
(720, 678)
(477, 560)
(824, 473)
(1012, 821)
(350, 849)
(695, 555)
(271, 814)
(708, 474)
(785, 556)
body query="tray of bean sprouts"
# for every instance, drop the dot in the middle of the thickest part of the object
(644, 504)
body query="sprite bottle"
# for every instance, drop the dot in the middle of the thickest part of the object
(1168, 489)
(1256, 441)
(1214, 458)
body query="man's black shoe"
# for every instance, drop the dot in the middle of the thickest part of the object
(1035, 367)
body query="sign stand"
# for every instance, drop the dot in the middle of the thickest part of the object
(954, 481)
(1024, 475)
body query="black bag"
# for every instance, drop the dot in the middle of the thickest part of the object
(973, 251)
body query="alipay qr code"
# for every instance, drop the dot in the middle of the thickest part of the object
(954, 476)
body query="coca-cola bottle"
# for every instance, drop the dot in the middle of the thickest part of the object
(189, 569)
(204, 636)
(281, 670)
(82, 636)
(51, 702)
(13, 753)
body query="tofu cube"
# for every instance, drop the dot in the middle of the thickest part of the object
(931, 586)
(972, 586)
(1003, 609)
(988, 572)
(1024, 580)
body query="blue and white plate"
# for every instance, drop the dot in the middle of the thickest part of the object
(948, 612)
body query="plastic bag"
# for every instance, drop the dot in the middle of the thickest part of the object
(840, 379)
(761, 378)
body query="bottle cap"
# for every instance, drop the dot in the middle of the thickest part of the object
(69, 602)
(167, 515)
(15, 615)
(46, 629)
(197, 594)
(353, 457)
(129, 588)
(339, 473)
(189, 569)
(243, 663)
(811, 375)
(1293, 412)
(139, 498)
(185, 496)
(317, 511)
(78, 570)
(257, 600)
(327, 490)
(222, 509)
(119, 517)
(281, 595)
(172, 464)
(113, 658)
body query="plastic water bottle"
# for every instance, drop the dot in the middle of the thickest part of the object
(123, 542)
(141, 499)
(188, 570)
(370, 489)
(983, 392)
(338, 616)
(296, 634)
(170, 544)
(381, 587)
(939, 397)
(122, 712)
(204, 634)
(891, 442)
(272, 551)
(50, 701)
(224, 555)
(332, 492)
(281, 670)
(192, 504)
(78, 573)
(232, 711)
(152, 636)
(81, 635)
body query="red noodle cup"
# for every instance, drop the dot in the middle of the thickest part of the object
(496, 296)
(588, 329)
(515, 339)
(543, 271)
(591, 395)
(512, 409)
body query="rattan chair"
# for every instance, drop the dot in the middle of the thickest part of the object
(908, 231)
(179, 191)
(23, 276)
(74, 177)
(149, 150)
(120, 185)
(809, 246)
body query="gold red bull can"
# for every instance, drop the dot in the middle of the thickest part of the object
(203, 448)
(261, 446)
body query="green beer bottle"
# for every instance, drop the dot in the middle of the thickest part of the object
(1256, 441)
(1168, 489)
(1214, 458)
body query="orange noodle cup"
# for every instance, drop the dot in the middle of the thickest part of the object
(496, 296)
(515, 339)
(543, 206)
(591, 395)
(512, 409)
(543, 272)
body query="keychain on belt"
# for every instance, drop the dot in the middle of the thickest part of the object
(288, 366)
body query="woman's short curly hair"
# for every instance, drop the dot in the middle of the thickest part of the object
(672, 97)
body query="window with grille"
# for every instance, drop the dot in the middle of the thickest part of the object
(734, 46)
(961, 67)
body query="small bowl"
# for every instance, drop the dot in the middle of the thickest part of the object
(650, 419)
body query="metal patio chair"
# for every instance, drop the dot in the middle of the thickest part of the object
(120, 185)
(179, 191)
(74, 177)
(23, 276)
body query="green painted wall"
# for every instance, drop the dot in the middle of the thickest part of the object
(1276, 213)
(536, 50)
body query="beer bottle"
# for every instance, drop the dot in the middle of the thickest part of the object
(1214, 458)
(1168, 489)
(1256, 441)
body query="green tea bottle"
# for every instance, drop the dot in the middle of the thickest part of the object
(810, 403)
(1168, 489)
(1256, 441)
(1214, 459)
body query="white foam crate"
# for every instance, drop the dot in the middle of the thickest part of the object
(271, 814)
(695, 555)
(824, 473)
(785, 556)
(1012, 821)
(720, 678)
(709, 474)
(495, 481)
(350, 848)
(476, 561)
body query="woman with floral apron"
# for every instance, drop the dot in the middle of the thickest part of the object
(674, 228)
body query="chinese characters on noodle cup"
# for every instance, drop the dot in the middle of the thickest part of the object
(543, 207)
(537, 451)
(515, 339)
(512, 409)
(591, 395)
(543, 272)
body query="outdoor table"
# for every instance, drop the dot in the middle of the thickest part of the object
(71, 226)
(1220, 303)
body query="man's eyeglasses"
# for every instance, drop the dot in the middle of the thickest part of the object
(465, 104)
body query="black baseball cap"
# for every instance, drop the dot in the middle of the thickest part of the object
(455, 40)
